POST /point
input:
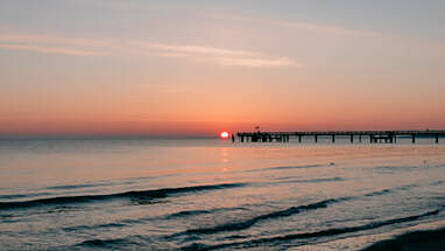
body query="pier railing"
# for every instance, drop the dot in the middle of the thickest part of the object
(374, 136)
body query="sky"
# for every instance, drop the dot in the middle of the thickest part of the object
(190, 67)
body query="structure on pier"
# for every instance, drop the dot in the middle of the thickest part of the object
(374, 136)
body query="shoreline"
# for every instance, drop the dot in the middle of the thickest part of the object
(415, 240)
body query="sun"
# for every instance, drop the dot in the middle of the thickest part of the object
(224, 135)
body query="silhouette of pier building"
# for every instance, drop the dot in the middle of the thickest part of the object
(374, 136)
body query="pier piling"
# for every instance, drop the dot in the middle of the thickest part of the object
(374, 136)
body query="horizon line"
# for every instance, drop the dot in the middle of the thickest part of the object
(204, 135)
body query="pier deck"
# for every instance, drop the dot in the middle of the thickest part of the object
(374, 136)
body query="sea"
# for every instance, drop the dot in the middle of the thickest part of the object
(210, 194)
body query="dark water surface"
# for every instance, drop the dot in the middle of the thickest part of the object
(211, 194)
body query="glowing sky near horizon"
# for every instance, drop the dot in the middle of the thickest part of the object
(198, 67)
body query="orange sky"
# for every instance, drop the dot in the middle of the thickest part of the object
(187, 68)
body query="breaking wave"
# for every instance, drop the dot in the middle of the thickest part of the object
(146, 195)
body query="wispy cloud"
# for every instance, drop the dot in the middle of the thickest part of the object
(339, 30)
(306, 26)
(53, 40)
(52, 44)
(44, 49)
(112, 47)
(197, 49)
(221, 56)
(259, 62)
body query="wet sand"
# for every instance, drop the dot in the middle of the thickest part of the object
(418, 240)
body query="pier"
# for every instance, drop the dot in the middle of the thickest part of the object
(389, 137)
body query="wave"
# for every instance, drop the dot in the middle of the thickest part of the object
(69, 187)
(439, 182)
(188, 213)
(145, 195)
(227, 227)
(408, 168)
(285, 167)
(19, 196)
(320, 180)
(131, 242)
(381, 192)
(193, 213)
(143, 220)
(390, 190)
(293, 167)
(418, 240)
(99, 184)
(235, 226)
(94, 227)
(110, 243)
(317, 234)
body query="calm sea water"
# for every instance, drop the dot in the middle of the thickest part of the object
(211, 194)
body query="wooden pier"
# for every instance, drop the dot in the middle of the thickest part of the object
(374, 136)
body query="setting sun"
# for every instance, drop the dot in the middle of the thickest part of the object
(224, 135)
